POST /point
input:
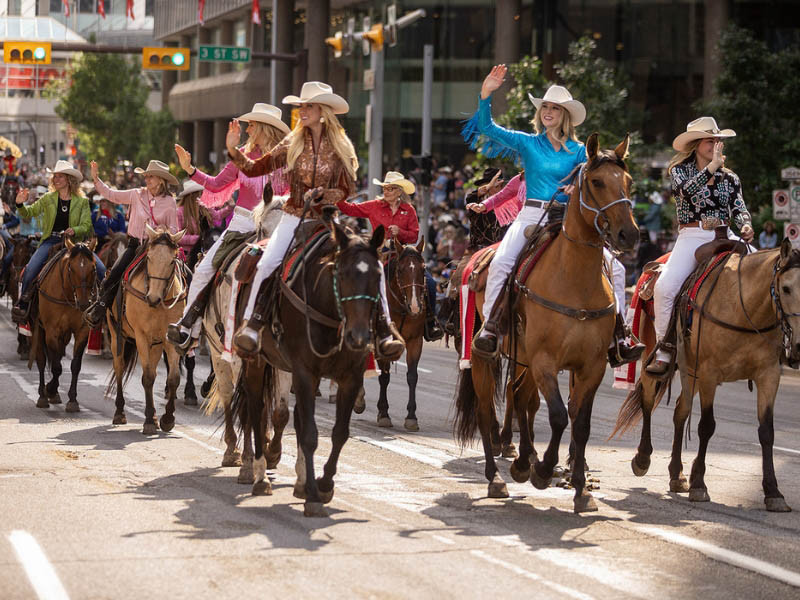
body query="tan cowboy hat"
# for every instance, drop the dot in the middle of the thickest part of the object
(316, 92)
(395, 178)
(558, 94)
(190, 187)
(266, 113)
(65, 167)
(159, 169)
(704, 127)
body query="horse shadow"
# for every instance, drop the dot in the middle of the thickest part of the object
(102, 437)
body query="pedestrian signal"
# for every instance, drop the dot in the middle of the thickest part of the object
(27, 53)
(165, 59)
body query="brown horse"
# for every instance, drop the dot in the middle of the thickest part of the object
(744, 326)
(343, 279)
(113, 248)
(152, 297)
(553, 336)
(64, 293)
(24, 247)
(405, 286)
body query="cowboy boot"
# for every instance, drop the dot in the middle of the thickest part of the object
(390, 344)
(448, 315)
(486, 342)
(432, 330)
(21, 310)
(658, 366)
(180, 334)
(247, 341)
(621, 352)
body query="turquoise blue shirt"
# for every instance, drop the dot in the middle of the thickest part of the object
(544, 166)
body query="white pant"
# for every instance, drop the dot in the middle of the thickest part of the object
(617, 270)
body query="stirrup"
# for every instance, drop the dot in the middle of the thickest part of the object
(486, 353)
(432, 331)
(182, 341)
(659, 368)
(247, 341)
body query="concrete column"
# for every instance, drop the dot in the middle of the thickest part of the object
(226, 39)
(203, 138)
(282, 43)
(204, 68)
(186, 42)
(318, 14)
(506, 43)
(186, 136)
(717, 15)
(168, 79)
(44, 9)
(220, 129)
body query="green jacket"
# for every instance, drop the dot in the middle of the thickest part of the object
(80, 215)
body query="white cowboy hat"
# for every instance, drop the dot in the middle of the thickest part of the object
(395, 178)
(266, 113)
(558, 94)
(704, 127)
(65, 167)
(159, 169)
(317, 92)
(190, 187)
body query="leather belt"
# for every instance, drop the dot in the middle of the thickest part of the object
(534, 204)
(698, 224)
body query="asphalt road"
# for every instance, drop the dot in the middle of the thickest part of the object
(91, 510)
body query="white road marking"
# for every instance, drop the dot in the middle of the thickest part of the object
(420, 369)
(40, 572)
(782, 449)
(730, 557)
(433, 458)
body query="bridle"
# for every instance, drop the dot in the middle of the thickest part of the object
(403, 299)
(782, 315)
(180, 294)
(83, 285)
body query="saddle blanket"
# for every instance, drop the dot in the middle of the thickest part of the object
(467, 309)
(298, 255)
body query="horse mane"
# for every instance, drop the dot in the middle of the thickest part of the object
(605, 156)
(80, 249)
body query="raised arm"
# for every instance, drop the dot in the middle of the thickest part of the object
(110, 194)
(344, 188)
(739, 213)
(225, 177)
(510, 191)
(361, 210)
(264, 165)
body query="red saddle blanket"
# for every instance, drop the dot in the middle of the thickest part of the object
(467, 308)
(295, 260)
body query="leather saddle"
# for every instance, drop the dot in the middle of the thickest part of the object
(721, 243)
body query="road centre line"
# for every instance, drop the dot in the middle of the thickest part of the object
(420, 369)
(781, 448)
(40, 571)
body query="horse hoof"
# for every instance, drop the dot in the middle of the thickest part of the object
(299, 491)
(360, 405)
(518, 475)
(497, 449)
(498, 489)
(326, 497)
(232, 459)
(119, 420)
(699, 495)
(679, 486)
(509, 451)
(246, 476)
(262, 488)
(584, 503)
(54, 399)
(150, 429)
(314, 509)
(540, 483)
(42, 402)
(411, 425)
(638, 469)
(189, 401)
(167, 423)
(72, 407)
(384, 422)
(777, 505)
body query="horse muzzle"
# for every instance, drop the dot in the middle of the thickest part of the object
(625, 237)
(357, 339)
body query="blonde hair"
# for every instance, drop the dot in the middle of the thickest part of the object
(566, 130)
(336, 136)
(191, 212)
(74, 184)
(404, 197)
(683, 156)
(265, 136)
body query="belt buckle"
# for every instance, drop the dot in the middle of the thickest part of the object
(710, 223)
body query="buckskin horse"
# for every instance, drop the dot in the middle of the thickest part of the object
(342, 278)
(745, 323)
(65, 291)
(567, 311)
(152, 295)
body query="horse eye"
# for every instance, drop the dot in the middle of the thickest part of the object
(786, 289)
(598, 183)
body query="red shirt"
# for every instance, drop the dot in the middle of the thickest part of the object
(380, 213)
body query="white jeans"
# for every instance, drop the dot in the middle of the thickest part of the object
(617, 270)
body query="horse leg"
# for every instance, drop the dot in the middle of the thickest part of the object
(41, 363)
(641, 460)
(523, 387)
(767, 388)
(148, 357)
(232, 457)
(189, 392)
(542, 471)
(698, 492)
(173, 381)
(280, 418)
(508, 449)
(483, 379)
(118, 360)
(300, 462)
(305, 385)
(251, 381)
(75, 369)
(383, 401)
(55, 352)
(413, 352)
(586, 382)
(255, 392)
(345, 398)
(683, 407)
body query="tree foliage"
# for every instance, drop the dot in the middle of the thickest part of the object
(104, 98)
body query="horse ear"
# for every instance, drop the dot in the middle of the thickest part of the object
(93, 244)
(68, 243)
(622, 150)
(786, 249)
(377, 237)
(340, 235)
(421, 245)
(176, 237)
(592, 145)
(151, 233)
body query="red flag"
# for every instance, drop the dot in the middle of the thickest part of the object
(201, 6)
(66, 7)
(129, 10)
(256, 15)
(101, 8)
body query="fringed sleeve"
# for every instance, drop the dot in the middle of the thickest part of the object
(484, 135)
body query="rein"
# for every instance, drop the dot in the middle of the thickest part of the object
(176, 273)
(75, 304)
(403, 300)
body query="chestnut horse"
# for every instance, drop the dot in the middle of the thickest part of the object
(567, 311)
(405, 286)
(744, 326)
(343, 279)
(64, 293)
(152, 297)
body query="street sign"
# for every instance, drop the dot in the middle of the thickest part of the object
(792, 231)
(780, 205)
(794, 202)
(790, 173)
(223, 54)
(369, 80)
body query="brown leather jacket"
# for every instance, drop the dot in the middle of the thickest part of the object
(315, 167)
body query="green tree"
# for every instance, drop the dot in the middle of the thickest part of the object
(756, 94)
(104, 98)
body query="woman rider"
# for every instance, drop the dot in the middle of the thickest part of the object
(319, 158)
(395, 212)
(65, 212)
(707, 195)
(151, 205)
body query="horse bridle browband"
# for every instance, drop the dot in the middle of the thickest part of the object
(404, 301)
(83, 285)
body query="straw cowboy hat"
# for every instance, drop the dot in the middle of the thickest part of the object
(557, 94)
(704, 127)
(316, 92)
(159, 169)
(190, 187)
(395, 178)
(65, 167)
(266, 113)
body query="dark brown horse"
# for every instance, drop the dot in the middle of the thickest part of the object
(64, 293)
(405, 286)
(24, 247)
(329, 337)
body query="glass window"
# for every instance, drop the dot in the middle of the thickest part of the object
(14, 8)
(56, 6)
(148, 8)
(86, 6)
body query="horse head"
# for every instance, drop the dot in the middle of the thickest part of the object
(787, 298)
(356, 283)
(408, 278)
(162, 256)
(603, 192)
(79, 272)
(268, 215)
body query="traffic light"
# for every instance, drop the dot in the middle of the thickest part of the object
(165, 59)
(27, 53)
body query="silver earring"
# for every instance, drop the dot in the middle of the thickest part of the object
(322, 119)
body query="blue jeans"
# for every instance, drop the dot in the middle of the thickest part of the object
(431, 286)
(9, 255)
(39, 258)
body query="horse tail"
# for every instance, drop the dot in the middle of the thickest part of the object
(37, 342)
(466, 401)
(128, 364)
(630, 412)
(238, 405)
(213, 401)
